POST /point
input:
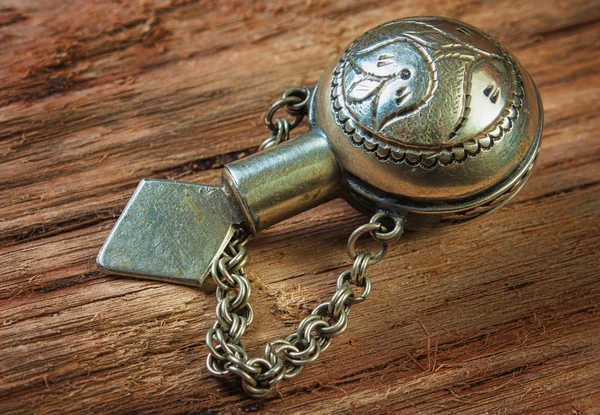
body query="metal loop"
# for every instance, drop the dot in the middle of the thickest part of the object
(310, 324)
(339, 302)
(223, 351)
(300, 107)
(309, 355)
(295, 101)
(303, 338)
(284, 102)
(283, 130)
(338, 327)
(240, 299)
(212, 364)
(384, 235)
(346, 277)
(268, 370)
(237, 329)
(360, 268)
(221, 274)
(224, 313)
(238, 241)
(215, 350)
(237, 262)
(256, 392)
(281, 346)
(242, 365)
(360, 231)
(246, 377)
(335, 329)
(281, 134)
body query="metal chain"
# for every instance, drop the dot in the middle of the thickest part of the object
(295, 101)
(285, 358)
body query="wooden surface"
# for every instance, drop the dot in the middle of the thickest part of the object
(499, 316)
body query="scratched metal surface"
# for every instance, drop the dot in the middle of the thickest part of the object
(169, 231)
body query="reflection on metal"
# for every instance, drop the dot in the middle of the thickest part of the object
(426, 118)
(422, 122)
(170, 231)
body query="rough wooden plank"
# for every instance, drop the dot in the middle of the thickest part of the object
(96, 95)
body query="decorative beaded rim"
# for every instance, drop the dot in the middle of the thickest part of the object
(425, 157)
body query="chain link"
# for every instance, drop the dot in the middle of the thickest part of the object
(285, 358)
(295, 101)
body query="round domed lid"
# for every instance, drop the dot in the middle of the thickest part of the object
(426, 91)
(429, 111)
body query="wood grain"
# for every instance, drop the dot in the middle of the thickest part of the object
(498, 316)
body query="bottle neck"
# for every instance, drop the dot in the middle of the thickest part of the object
(284, 180)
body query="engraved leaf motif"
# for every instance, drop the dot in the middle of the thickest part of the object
(363, 89)
(400, 96)
(385, 60)
(394, 99)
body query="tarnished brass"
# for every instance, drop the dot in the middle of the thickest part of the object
(426, 118)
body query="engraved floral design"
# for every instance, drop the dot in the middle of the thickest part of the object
(408, 98)
(399, 76)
